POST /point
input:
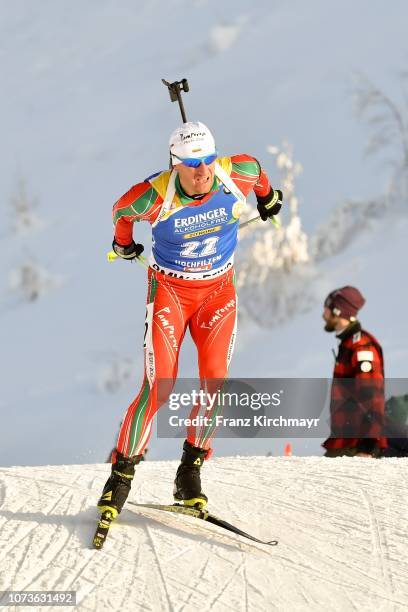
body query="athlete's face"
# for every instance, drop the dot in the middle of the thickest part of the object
(195, 181)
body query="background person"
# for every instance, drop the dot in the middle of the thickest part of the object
(357, 397)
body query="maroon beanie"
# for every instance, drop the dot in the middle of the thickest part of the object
(345, 302)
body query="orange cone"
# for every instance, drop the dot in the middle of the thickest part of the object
(288, 449)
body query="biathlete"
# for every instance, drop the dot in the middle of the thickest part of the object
(193, 209)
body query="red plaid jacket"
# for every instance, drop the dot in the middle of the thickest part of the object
(357, 396)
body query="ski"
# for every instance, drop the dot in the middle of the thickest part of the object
(102, 530)
(205, 516)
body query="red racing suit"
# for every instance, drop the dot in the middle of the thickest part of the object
(207, 306)
(357, 397)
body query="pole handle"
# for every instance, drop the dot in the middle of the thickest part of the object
(112, 256)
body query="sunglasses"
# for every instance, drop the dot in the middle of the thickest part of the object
(195, 162)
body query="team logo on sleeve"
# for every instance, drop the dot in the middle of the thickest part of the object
(365, 360)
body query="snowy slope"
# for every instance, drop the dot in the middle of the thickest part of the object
(341, 526)
(86, 116)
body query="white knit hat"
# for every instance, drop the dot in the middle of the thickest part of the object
(192, 139)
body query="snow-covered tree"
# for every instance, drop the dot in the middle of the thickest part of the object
(115, 375)
(277, 272)
(23, 214)
(344, 225)
(387, 119)
(31, 281)
(388, 139)
(275, 268)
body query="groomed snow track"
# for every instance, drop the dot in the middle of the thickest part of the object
(342, 527)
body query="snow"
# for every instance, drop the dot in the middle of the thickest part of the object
(341, 526)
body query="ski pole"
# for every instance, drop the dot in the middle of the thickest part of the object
(111, 256)
(175, 90)
(274, 220)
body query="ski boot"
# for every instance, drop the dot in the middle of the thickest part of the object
(114, 494)
(117, 487)
(187, 484)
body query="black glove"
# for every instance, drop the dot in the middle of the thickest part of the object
(270, 205)
(130, 251)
